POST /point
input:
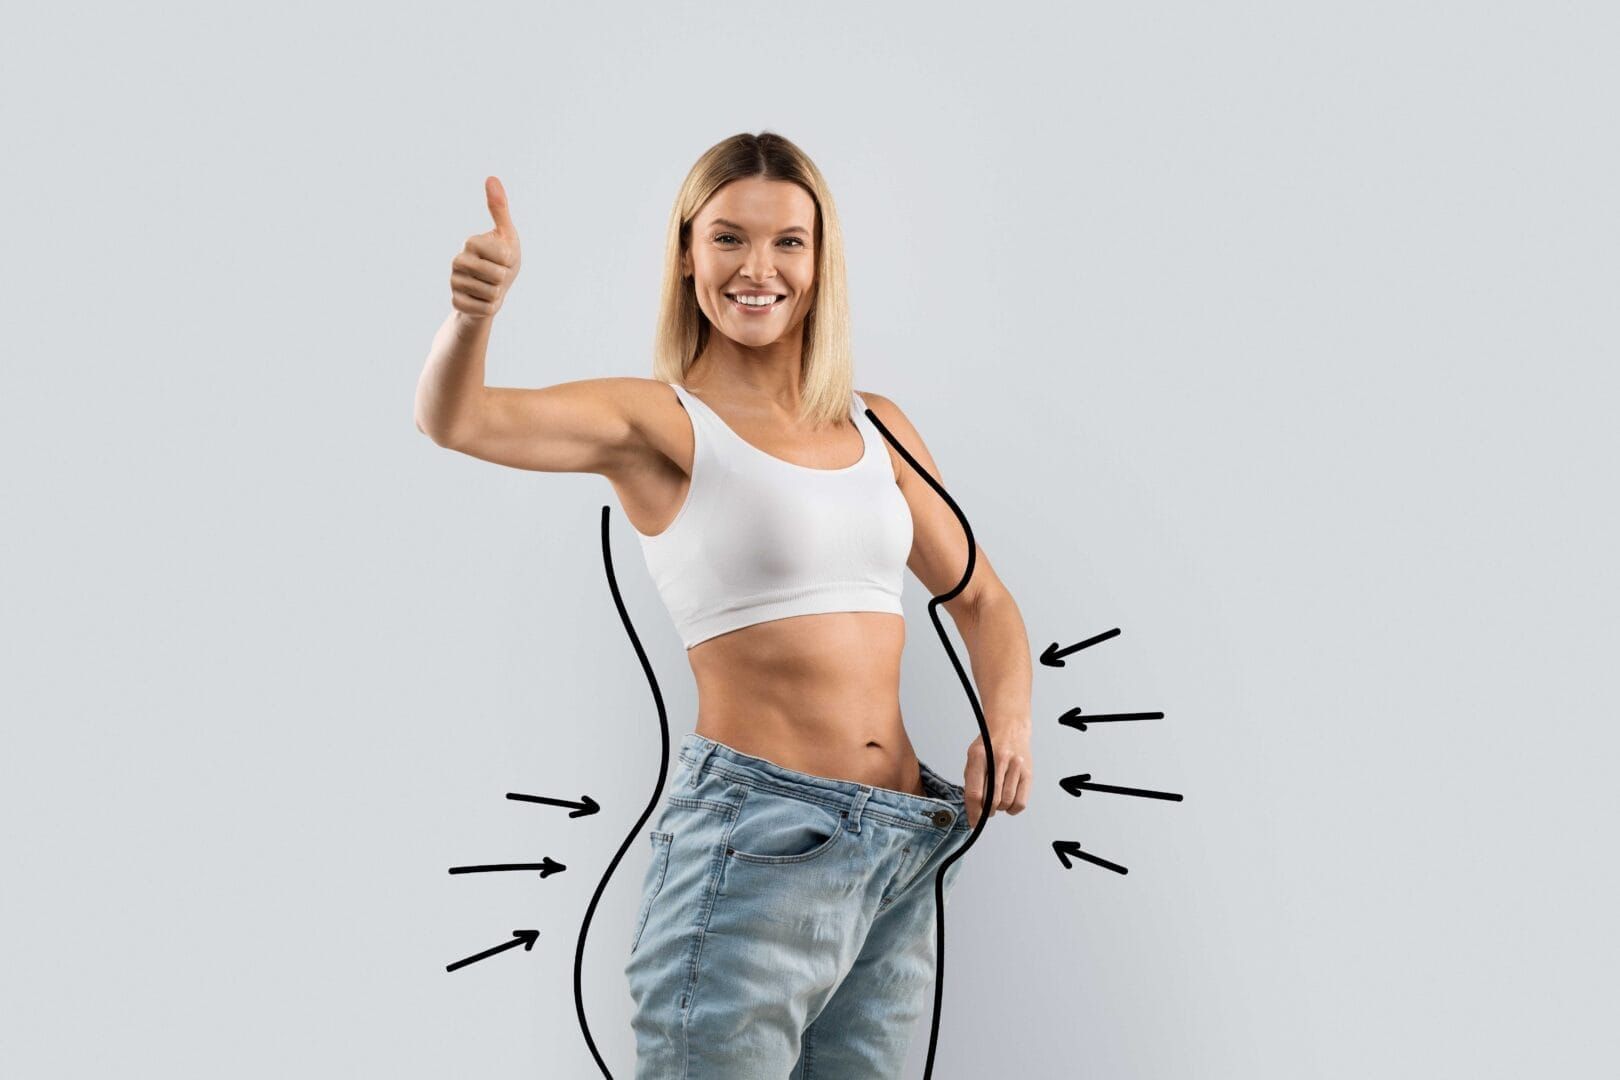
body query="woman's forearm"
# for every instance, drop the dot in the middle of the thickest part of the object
(451, 388)
(998, 646)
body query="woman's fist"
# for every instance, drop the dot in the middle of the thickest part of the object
(488, 263)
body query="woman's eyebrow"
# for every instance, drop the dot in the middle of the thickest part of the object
(739, 228)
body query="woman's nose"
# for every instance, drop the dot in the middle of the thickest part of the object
(759, 267)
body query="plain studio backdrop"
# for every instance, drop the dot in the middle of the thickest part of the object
(1281, 337)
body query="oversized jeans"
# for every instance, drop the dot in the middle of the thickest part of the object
(787, 921)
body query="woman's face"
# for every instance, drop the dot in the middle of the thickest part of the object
(754, 237)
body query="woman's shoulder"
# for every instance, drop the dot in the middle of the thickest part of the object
(885, 409)
(901, 428)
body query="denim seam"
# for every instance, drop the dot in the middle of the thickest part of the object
(752, 780)
(921, 867)
(712, 759)
(700, 804)
(749, 778)
(792, 793)
(662, 841)
(716, 868)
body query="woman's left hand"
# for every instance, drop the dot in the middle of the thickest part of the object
(1014, 772)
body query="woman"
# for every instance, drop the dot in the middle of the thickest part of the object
(787, 915)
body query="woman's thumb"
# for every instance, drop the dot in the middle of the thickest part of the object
(496, 196)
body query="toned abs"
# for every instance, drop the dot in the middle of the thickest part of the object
(816, 693)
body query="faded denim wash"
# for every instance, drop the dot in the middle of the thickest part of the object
(786, 926)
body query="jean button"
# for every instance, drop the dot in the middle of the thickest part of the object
(942, 818)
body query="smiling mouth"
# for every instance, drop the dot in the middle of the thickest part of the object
(739, 305)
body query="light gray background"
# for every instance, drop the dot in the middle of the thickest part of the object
(1280, 336)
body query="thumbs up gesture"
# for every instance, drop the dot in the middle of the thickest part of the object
(488, 263)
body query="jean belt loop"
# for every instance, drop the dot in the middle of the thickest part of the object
(856, 806)
(705, 748)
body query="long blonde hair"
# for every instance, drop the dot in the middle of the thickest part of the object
(826, 366)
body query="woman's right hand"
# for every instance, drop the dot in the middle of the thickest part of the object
(488, 263)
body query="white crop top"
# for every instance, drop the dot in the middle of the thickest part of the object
(759, 538)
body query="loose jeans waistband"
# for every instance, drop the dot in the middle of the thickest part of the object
(944, 807)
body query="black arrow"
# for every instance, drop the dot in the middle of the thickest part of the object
(526, 938)
(1072, 718)
(586, 805)
(1065, 848)
(546, 868)
(1053, 656)
(1075, 784)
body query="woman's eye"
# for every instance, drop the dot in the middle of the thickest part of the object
(728, 236)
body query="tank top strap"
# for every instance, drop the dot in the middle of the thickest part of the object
(694, 406)
(701, 413)
(864, 422)
(707, 440)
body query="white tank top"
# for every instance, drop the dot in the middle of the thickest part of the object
(759, 538)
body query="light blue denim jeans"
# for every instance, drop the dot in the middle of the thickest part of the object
(786, 926)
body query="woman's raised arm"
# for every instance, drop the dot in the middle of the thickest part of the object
(587, 425)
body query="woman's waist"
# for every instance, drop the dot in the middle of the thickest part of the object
(865, 744)
(837, 691)
(817, 693)
(844, 651)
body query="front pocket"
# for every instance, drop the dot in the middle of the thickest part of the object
(653, 882)
(775, 828)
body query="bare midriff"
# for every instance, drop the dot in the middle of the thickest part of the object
(818, 694)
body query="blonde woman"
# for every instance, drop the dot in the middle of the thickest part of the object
(786, 923)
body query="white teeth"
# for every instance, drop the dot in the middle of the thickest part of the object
(756, 301)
